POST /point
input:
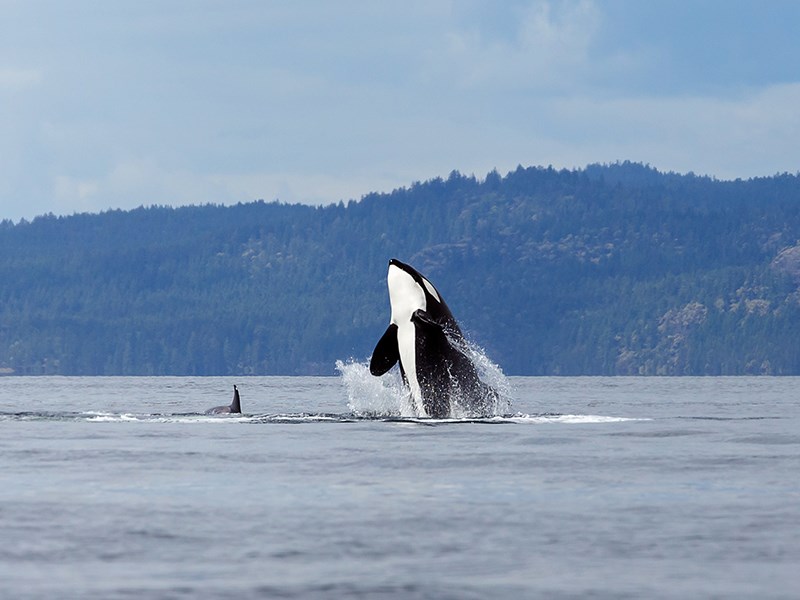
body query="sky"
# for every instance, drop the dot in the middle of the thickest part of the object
(107, 105)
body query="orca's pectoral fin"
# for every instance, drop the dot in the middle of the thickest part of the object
(386, 352)
(421, 317)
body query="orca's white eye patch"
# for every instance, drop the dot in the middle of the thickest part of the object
(431, 289)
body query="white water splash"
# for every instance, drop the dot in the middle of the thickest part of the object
(370, 396)
(492, 375)
(388, 396)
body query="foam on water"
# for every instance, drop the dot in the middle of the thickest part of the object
(377, 411)
(111, 417)
(568, 419)
(165, 418)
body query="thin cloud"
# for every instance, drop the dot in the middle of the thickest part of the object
(549, 46)
(17, 79)
(748, 135)
(143, 103)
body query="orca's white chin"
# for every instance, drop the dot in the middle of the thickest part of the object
(405, 295)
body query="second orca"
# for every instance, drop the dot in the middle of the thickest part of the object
(234, 407)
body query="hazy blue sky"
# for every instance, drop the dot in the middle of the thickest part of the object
(115, 104)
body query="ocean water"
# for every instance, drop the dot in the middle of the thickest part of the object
(327, 488)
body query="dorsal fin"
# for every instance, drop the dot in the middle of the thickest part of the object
(236, 406)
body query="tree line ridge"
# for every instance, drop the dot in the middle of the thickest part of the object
(607, 270)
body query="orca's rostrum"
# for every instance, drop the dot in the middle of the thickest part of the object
(425, 339)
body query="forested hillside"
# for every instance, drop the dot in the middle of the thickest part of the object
(612, 269)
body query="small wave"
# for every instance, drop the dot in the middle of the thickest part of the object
(112, 418)
(192, 418)
(109, 417)
(305, 418)
(715, 418)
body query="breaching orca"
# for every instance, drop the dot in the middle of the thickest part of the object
(424, 337)
(235, 406)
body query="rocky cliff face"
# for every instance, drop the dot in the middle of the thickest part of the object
(788, 262)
